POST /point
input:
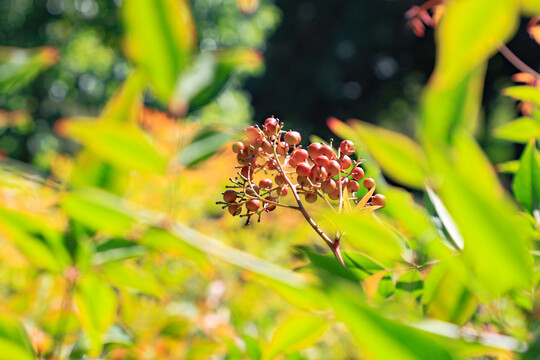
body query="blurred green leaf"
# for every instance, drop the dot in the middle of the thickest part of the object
(455, 237)
(96, 303)
(511, 166)
(328, 262)
(526, 183)
(14, 340)
(20, 66)
(160, 37)
(125, 105)
(400, 157)
(464, 42)
(386, 288)
(523, 93)
(520, 130)
(444, 110)
(124, 145)
(202, 147)
(409, 284)
(297, 332)
(530, 7)
(123, 275)
(115, 250)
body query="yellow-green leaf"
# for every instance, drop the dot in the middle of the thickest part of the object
(526, 183)
(519, 130)
(524, 93)
(14, 340)
(125, 275)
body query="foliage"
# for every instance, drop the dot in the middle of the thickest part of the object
(120, 252)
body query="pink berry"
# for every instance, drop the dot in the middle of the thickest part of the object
(303, 181)
(379, 200)
(322, 161)
(247, 172)
(265, 184)
(369, 183)
(313, 150)
(353, 186)
(300, 155)
(333, 168)
(292, 137)
(303, 169)
(237, 147)
(235, 209)
(311, 197)
(347, 147)
(345, 162)
(280, 179)
(357, 173)
(327, 151)
(329, 186)
(270, 207)
(283, 191)
(271, 124)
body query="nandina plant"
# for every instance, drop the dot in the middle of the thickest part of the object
(319, 171)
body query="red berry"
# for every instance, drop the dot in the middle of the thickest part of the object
(283, 191)
(229, 196)
(267, 147)
(345, 162)
(292, 137)
(282, 148)
(252, 134)
(247, 172)
(269, 207)
(347, 147)
(237, 147)
(253, 205)
(311, 197)
(300, 155)
(272, 164)
(327, 151)
(235, 209)
(253, 192)
(369, 183)
(292, 163)
(271, 124)
(334, 195)
(329, 186)
(313, 150)
(333, 168)
(322, 161)
(317, 174)
(303, 169)
(379, 200)
(303, 181)
(280, 179)
(265, 184)
(353, 186)
(357, 173)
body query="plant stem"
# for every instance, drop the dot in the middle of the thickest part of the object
(60, 334)
(517, 62)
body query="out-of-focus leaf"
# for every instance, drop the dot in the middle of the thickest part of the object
(124, 145)
(526, 183)
(445, 110)
(449, 224)
(297, 332)
(385, 288)
(519, 130)
(99, 211)
(496, 243)
(116, 249)
(409, 284)
(14, 340)
(367, 234)
(530, 7)
(511, 166)
(446, 297)
(202, 147)
(524, 93)
(126, 103)
(96, 303)
(20, 66)
(464, 42)
(400, 157)
(123, 275)
(160, 38)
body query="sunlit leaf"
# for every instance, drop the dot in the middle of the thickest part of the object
(14, 340)
(354, 270)
(526, 183)
(160, 38)
(96, 304)
(455, 237)
(201, 148)
(297, 332)
(409, 284)
(386, 287)
(511, 166)
(524, 93)
(126, 103)
(20, 66)
(530, 7)
(115, 250)
(464, 42)
(124, 275)
(519, 130)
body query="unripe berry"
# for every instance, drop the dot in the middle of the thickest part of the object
(327, 151)
(369, 183)
(333, 168)
(237, 147)
(229, 196)
(265, 184)
(334, 195)
(271, 124)
(253, 205)
(311, 197)
(313, 150)
(283, 191)
(280, 179)
(379, 200)
(303, 181)
(292, 137)
(300, 155)
(345, 162)
(235, 209)
(322, 161)
(357, 173)
(269, 207)
(303, 169)
(353, 186)
(247, 172)
(329, 186)
(347, 147)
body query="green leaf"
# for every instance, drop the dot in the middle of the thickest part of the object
(464, 42)
(99, 210)
(160, 38)
(526, 183)
(126, 276)
(201, 148)
(530, 7)
(329, 263)
(123, 145)
(14, 340)
(400, 157)
(125, 105)
(520, 130)
(444, 110)
(524, 93)
(511, 166)
(297, 332)
(96, 303)
(20, 66)
(455, 238)
(409, 284)
(115, 250)
(385, 288)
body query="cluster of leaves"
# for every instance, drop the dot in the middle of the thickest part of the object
(111, 248)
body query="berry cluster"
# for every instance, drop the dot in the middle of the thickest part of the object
(316, 172)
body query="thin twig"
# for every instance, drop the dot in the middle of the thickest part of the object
(517, 62)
